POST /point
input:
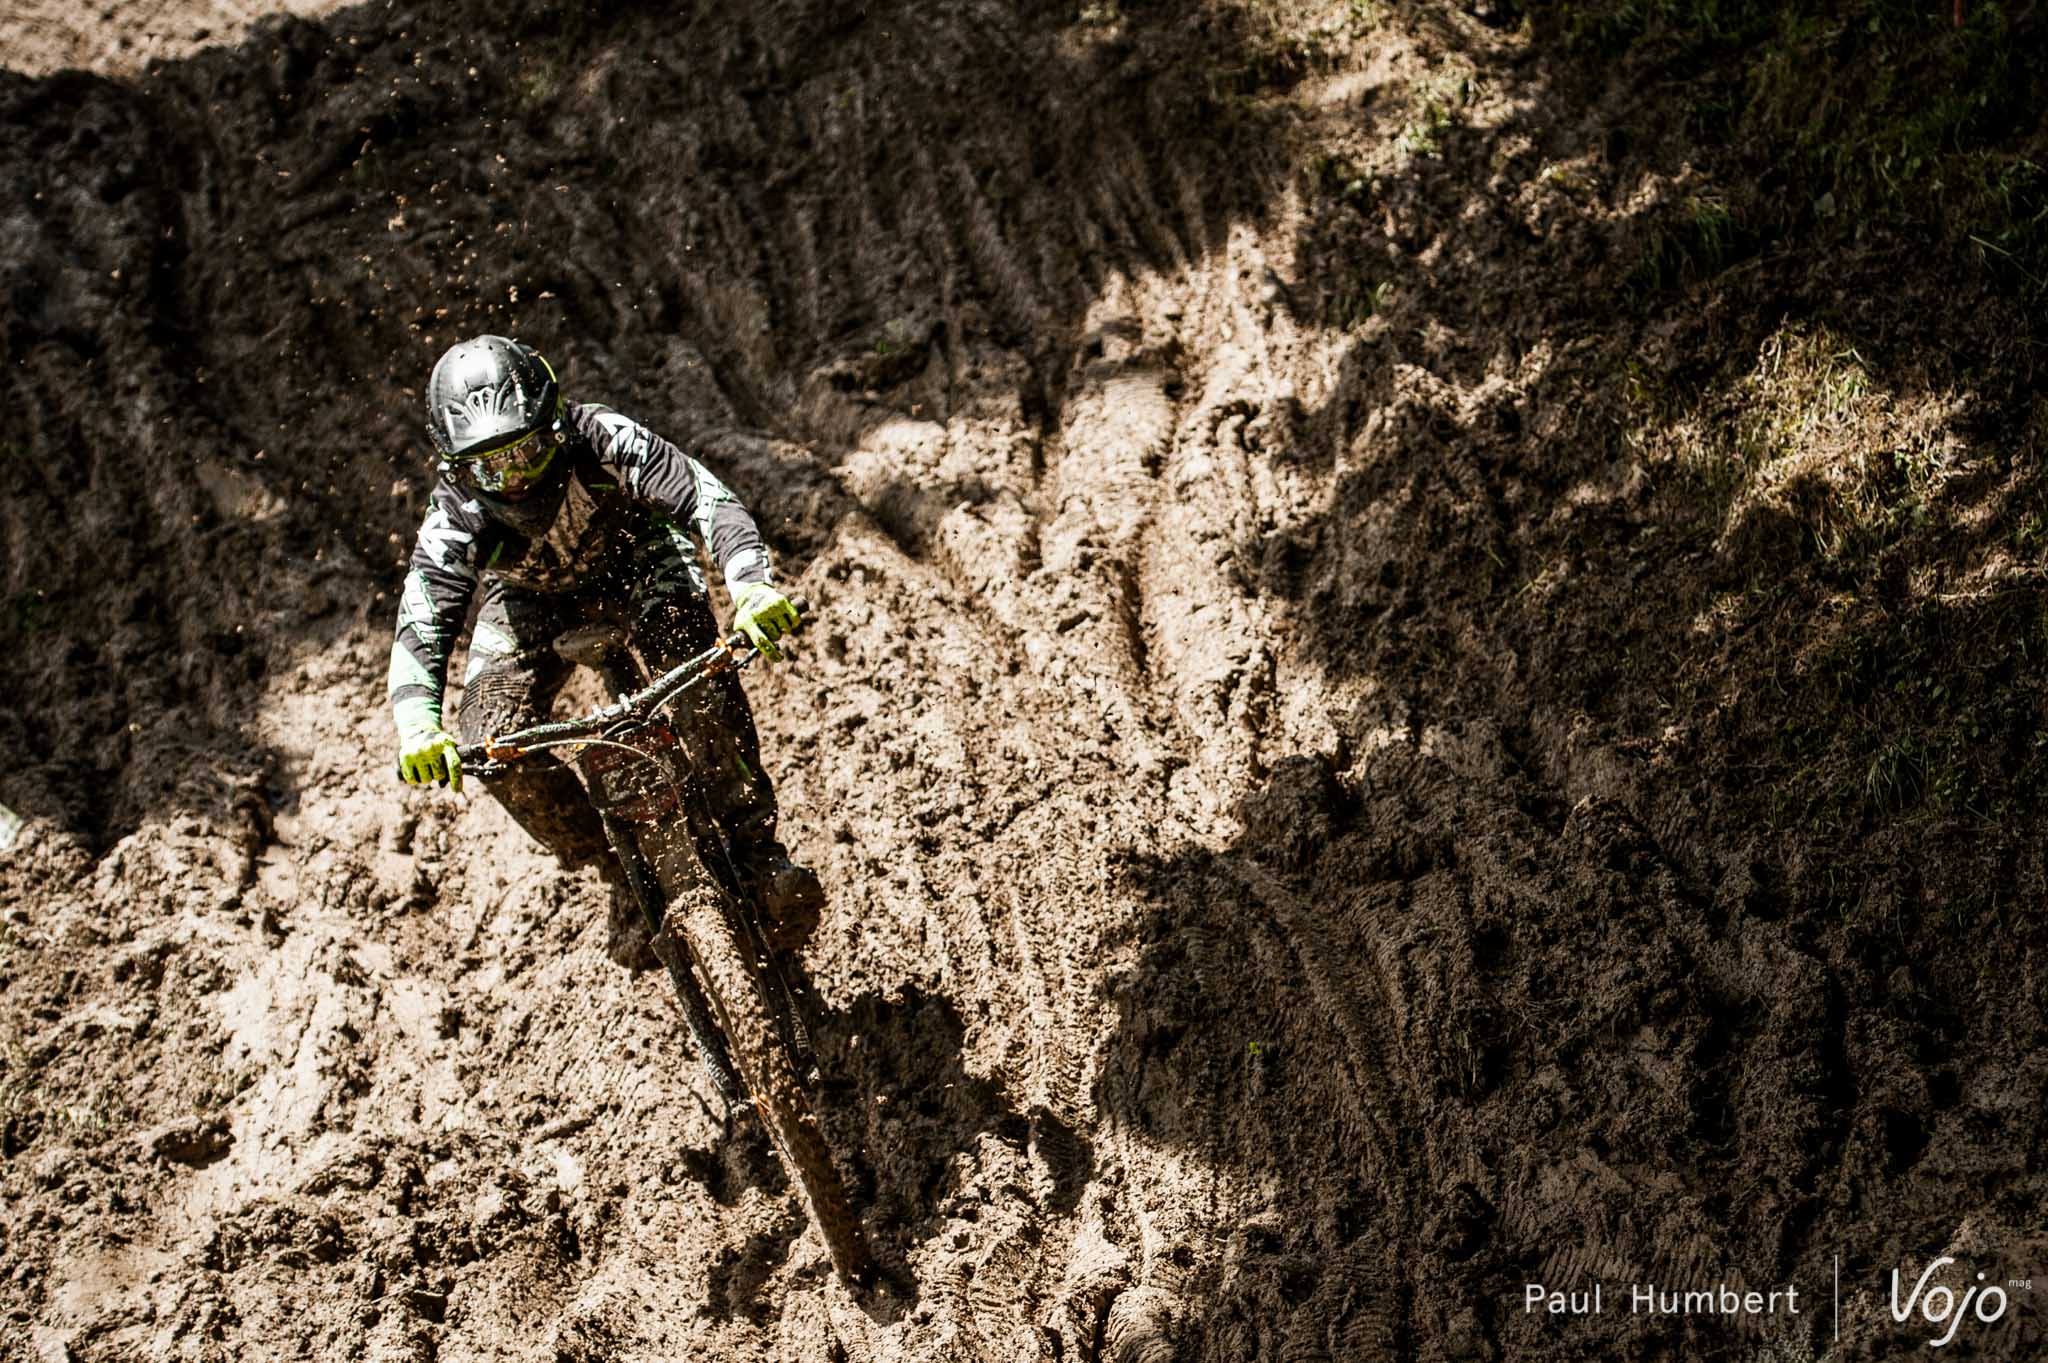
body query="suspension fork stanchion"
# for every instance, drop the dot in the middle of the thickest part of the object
(783, 999)
(792, 1004)
(704, 1034)
(622, 676)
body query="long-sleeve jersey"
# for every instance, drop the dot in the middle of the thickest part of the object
(620, 475)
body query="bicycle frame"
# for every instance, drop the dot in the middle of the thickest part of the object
(635, 724)
(704, 923)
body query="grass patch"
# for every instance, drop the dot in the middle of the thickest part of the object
(1805, 434)
(1877, 112)
(1702, 242)
(1356, 303)
(1870, 655)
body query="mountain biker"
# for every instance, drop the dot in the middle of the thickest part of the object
(565, 514)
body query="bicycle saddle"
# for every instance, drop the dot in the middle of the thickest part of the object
(590, 645)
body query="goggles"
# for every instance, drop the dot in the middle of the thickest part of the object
(512, 469)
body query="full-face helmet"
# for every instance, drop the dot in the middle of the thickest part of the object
(494, 408)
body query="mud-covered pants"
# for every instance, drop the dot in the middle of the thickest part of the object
(654, 590)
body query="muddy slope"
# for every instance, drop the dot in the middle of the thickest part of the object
(1319, 731)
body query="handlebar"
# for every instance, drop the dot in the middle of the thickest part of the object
(732, 651)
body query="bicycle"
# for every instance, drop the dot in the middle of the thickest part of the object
(741, 1012)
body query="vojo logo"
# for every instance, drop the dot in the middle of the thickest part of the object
(1939, 1307)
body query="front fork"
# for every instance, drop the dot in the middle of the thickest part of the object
(704, 1033)
(693, 819)
(616, 666)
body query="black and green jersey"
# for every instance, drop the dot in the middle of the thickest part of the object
(623, 481)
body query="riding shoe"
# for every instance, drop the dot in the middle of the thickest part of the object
(628, 939)
(789, 895)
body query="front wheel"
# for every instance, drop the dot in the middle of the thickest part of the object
(704, 916)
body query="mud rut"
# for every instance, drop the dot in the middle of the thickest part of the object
(1198, 987)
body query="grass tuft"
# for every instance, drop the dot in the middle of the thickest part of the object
(1880, 113)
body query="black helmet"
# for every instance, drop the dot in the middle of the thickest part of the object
(495, 410)
(488, 392)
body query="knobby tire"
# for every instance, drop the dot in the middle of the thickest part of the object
(697, 1019)
(732, 976)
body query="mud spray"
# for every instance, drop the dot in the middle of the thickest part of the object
(1331, 733)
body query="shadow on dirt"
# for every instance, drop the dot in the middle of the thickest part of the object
(900, 1094)
(1695, 483)
(1532, 1054)
(897, 1095)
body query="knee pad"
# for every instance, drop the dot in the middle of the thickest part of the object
(493, 702)
(547, 800)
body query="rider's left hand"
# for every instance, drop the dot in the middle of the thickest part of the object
(764, 615)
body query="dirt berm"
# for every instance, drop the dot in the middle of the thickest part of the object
(1428, 677)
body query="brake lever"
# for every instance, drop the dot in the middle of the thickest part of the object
(482, 768)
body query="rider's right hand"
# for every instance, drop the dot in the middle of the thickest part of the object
(426, 751)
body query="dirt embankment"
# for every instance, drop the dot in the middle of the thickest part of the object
(1357, 728)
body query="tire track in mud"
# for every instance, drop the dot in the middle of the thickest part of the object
(1003, 1274)
(998, 1272)
(1058, 266)
(1358, 1008)
(1356, 1308)
(1121, 455)
(1114, 433)
(1032, 924)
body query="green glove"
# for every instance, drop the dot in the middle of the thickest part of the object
(426, 751)
(764, 615)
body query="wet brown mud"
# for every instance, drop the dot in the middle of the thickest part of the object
(1282, 742)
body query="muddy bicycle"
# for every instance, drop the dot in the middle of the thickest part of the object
(649, 782)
